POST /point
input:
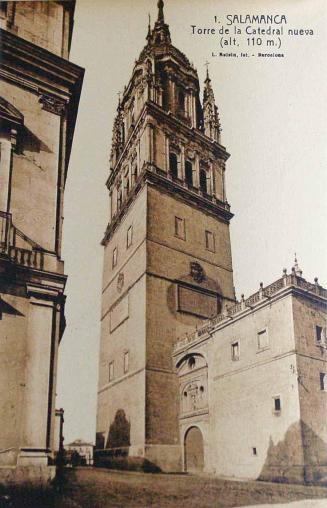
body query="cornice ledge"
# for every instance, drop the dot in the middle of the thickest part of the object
(41, 292)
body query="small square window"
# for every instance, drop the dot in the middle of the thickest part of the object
(263, 341)
(111, 371)
(126, 361)
(277, 405)
(180, 228)
(235, 351)
(210, 241)
(114, 257)
(254, 451)
(323, 385)
(129, 236)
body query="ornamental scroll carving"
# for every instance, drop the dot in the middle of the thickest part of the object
(52, 104)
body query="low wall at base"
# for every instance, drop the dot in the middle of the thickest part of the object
(33, 475)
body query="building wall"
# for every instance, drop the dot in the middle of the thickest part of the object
(244, 390)
(311, 362)
(41, 23)
(123, 327)
(12, 375)
(245, 435)
(38, 107)
(35, 168)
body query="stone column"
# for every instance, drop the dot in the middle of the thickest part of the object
(5, 165)
(41, 346)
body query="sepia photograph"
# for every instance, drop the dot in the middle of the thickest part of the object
(163, 253)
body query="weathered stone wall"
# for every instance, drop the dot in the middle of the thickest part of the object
(41, 23)
(12, 374)
(123, 327)
(35, 168)
(245, 436)
(311, 362)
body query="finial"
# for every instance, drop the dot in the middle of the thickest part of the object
(161, 13)
(297, 270)
(149, 26)
(207, 66)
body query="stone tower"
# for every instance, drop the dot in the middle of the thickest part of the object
(167, 261)
(40, 91)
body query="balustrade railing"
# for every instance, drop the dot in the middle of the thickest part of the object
(264, 293)
(31, 255)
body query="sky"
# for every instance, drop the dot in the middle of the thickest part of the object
(273, 115)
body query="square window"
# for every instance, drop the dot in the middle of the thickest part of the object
(180, 228)
(263, 341)
(114, 257)
(129, 236)
(111, 371)
(126, 361)
(235, 351)
(210, 241)
(277, 405)
(323, 385)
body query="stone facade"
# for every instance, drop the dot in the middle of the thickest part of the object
(167, 260)
(262, 367)
(40, 92)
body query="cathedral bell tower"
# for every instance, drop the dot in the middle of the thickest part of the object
(167, 262)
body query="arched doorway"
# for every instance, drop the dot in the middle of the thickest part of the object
(193, 450)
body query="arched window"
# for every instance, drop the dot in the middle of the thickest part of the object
(134, 171)
(203, 181)
(173, 165)
(119, 198)
(189, 173)
(181, 102)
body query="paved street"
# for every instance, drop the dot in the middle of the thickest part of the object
(100, 488)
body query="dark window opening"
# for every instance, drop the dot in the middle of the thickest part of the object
(189, 173)
(3, 9)
(254, 450)
(235, 351)
(191, 362)
(322, 381)
(185, 394)
(201, 389)
(277, 403)
(203, 181)
(134, 172)
(119, 199)
(173, 165)
(319, 333)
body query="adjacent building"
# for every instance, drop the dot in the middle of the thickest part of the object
(243, 392)
(253, 386)
(82, 449)
(40, 92)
